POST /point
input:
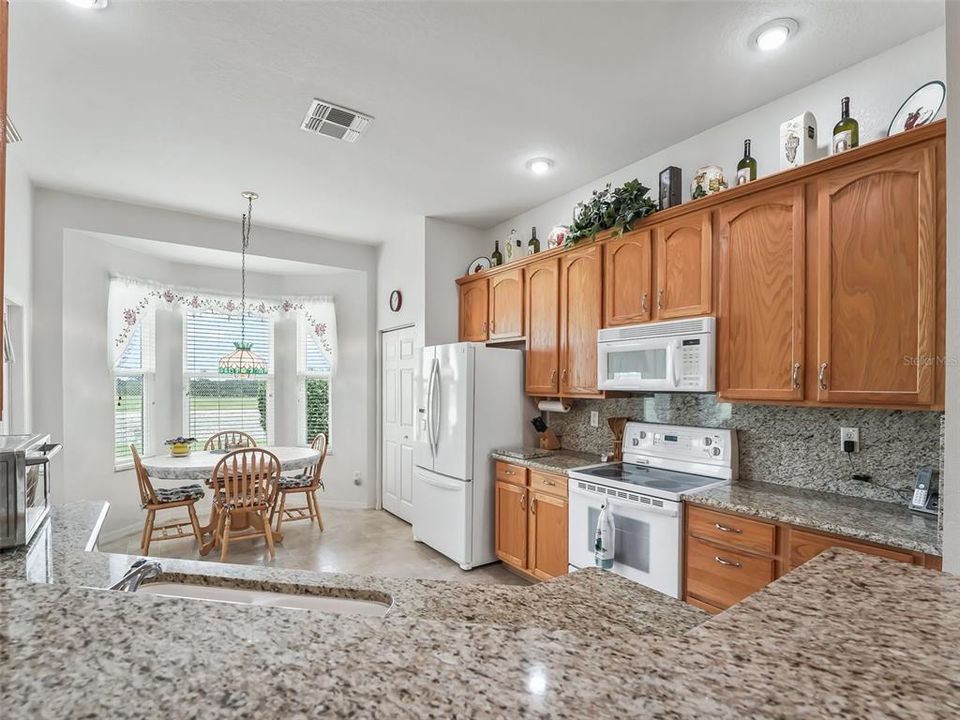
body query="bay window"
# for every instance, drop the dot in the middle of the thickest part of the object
(133, 395)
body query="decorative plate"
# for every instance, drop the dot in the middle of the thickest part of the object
(481, 263)
(919, 109)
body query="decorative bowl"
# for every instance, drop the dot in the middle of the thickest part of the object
(706, 181)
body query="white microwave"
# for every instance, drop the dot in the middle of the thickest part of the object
(671, 356)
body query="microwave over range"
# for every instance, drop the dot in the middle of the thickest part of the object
(671, 356)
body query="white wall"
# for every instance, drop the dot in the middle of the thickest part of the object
(876, 88)
(449, 248)
(18, 284)
(400, 266)
(70, 294)
(951, 451)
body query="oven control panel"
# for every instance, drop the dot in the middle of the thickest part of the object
(656, 444)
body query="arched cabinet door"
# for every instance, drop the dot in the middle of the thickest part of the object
(506, 305)
(684, 266)
(542, 319)
(627, 298)
(581, 313)
(473, 311)
(876, 296)
(760, 354)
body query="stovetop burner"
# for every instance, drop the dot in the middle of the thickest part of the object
(654, 481)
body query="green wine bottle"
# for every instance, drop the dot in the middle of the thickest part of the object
(846, 133)
(497, 258)
(533, 246)
(746, 168)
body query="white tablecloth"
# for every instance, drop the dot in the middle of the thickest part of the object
(199, 464)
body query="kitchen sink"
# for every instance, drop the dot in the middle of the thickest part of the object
(266, 598)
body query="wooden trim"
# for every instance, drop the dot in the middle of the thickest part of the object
(916, 136)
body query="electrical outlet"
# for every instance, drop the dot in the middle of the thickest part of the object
(594, 418)
(852, 435)
(356, 477)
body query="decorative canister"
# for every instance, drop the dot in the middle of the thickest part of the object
(557, 236)
(798, 141)
(706, 181)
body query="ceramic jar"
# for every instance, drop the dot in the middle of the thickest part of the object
(706, 181)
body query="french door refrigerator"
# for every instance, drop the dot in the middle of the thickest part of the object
(470, 401)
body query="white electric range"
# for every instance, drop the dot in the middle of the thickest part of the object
(660, 464)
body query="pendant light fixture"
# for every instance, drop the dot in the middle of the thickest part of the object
(242, 361)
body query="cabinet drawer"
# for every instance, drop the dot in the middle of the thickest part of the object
(712, 609)
(515, 474)
(548, 483)
(807, 545)
(721, 577)
(733, 530)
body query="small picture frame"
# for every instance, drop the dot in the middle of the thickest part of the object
(670, 184)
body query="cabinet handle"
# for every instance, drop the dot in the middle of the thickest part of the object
(493, 325)
(727, 528)
(547, 482)
(563, 376)
(553, 375)
(660, 299)
(509, 472)
(822, 377)
(729, 563)
(533, 506)
(523, 500)
(484, 325)
(643, 303)
(796, 376)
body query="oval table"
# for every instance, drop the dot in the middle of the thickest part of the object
(199, 465)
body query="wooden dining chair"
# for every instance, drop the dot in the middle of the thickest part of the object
(307, 482)
(244, 487)
(152, 500)
(229, 440)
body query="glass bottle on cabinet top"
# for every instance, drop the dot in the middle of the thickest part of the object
(497, 257)
(846, 133)
(533, 246)
(747, 167)
(510, 246)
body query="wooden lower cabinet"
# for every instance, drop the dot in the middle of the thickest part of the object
(531, 521)
(728, 556)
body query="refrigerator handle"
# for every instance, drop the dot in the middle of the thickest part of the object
(435, 419)
(433, 452)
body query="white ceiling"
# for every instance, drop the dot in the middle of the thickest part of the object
(210, 257)
(185, 104)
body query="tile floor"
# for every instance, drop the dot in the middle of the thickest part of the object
(359, 542)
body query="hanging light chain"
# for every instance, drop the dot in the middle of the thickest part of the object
(245, 223)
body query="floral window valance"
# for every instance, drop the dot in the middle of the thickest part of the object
(130, 300)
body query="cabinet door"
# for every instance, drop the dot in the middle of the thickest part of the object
(626, 279)
(580, 316)
(548, 535)
(506, 304)
(876, 247)
(511, 530)
(473, 311)
(684, 266)
(542, 316)
(762, 296)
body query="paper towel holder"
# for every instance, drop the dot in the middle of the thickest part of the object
(553, 406)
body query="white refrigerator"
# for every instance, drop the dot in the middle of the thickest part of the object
(470, 400)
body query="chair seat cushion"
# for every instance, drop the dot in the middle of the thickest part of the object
(291, 482)
(178, 494)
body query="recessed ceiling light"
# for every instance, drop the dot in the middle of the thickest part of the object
(89, 4)
(540, 166)
(775, 33)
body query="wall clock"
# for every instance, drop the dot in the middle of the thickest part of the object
(396, 301)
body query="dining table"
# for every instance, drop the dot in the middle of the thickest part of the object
(199, 465)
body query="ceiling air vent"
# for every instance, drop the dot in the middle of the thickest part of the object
(339, 123)
(12, 134)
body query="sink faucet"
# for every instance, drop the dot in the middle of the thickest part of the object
(141, 570)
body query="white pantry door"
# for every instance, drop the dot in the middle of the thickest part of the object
(397, 422)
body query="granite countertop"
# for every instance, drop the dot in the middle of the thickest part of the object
(70, 651)
(555, 461)
(871, 520)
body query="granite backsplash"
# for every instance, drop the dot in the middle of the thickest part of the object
(785, 445)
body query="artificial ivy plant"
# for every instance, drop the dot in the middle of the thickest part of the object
(610, 208)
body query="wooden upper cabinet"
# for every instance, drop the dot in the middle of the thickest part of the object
(473, 311)
(683, 254)
(511, 525)
(762, 296)
(877, 249)
(547, 544)
(542, 318)
(580, 317)
(626, 272)
(506, 305)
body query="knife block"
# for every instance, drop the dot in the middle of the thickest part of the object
(549, 440)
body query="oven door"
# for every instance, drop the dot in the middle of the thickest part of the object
(647, 544)
(643, 364)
